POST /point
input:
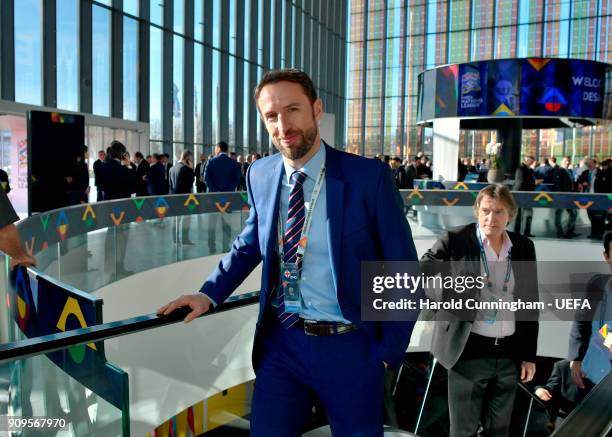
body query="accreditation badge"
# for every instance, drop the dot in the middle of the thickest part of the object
(291, 288)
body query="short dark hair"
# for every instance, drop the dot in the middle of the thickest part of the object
(607, 239)
(222, 145)
(287, 75)
(397, 159)
(117, 150)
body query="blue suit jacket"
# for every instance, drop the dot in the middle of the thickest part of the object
(366, 223)
(222, 173)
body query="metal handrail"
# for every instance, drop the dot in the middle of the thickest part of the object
(49, 343)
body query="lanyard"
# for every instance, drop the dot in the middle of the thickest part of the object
(483, 256)
(307, 220)
(602, 309)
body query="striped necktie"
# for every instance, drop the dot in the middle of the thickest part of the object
(293, 231)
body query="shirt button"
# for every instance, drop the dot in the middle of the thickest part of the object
(310, 303)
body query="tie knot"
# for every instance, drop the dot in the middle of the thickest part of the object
(298, 177)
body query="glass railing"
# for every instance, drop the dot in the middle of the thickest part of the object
(119, 384)
(100, 381)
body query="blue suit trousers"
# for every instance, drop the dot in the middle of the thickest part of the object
(343, 371)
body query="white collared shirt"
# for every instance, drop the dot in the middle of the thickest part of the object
(504, 325)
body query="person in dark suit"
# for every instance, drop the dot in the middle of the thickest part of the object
(423, 171)
(562, 181)
(77, 181)
(4, 182)
(244, 169)
(411, 172)
(462, 170)
(585, 338)
(524, 181)
(486, 352)
(593, 180)
(97, 169)
(142, 168)
(221, 174)
(118, 180)
(199, 174)
(181, 182)
(399, 174)
(156, 181)
(320, 348)
(164, 158)
(559, 393)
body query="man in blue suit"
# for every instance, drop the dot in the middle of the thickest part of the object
(316, 214)
(221, 174)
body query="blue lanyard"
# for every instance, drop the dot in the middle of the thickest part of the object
(602, 309)
(483, 257)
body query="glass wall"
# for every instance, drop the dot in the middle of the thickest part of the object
(391, 42)
(28, 51)
(67, 28)
(97, 62)
(101, 59)
(155, 84)
(130, 69)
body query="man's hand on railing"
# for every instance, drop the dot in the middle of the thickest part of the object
(199, 304)
(543, 394)
(23, 260)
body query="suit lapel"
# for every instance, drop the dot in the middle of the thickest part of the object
(271, 189)
(473, 246)
(335, 206)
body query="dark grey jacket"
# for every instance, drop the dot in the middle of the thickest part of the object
(460, 245)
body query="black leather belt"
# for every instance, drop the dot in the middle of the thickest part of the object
(314, 327)
(483, 340)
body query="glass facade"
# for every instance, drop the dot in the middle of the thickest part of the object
(28, 51)
(391, 42)
(130, 69)
(192, 76)
(68, 55)
(101, 60)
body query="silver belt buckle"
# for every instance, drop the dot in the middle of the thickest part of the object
(307, 323)
(496, 341)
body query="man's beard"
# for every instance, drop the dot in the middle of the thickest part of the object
(300, 150)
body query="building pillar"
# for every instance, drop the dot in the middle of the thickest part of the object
(509, 133)
(446, 135)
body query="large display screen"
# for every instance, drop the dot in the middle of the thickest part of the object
(54, 141)
(516, 87)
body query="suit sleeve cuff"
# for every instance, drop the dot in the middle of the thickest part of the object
(214, 304)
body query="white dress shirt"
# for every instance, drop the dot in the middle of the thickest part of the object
(504, 325)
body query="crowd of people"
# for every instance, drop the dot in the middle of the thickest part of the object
(587, 177)
(156, 175)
